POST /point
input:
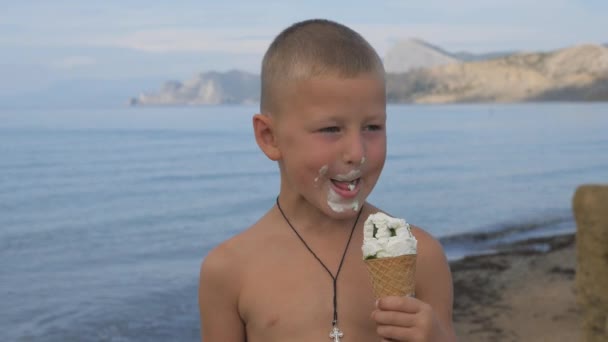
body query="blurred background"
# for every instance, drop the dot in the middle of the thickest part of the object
(126, 150)
(68, 53)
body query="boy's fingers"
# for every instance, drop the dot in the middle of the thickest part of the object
(393, 333)
(403, 304)
(396, 318)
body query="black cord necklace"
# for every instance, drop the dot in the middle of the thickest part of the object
(335, 333)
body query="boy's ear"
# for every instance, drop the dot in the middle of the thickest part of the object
(265, 136)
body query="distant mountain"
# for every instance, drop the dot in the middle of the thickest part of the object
(411, 54)
(204, 89)
(470, 57)
(578, 73)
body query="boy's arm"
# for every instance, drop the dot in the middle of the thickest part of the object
(434, 282)
(218, 299)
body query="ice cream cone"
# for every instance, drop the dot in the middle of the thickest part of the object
(393, 276)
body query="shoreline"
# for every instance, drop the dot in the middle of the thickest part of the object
(508, 237)
(523, 292)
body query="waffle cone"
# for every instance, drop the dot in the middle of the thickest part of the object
(394, 276)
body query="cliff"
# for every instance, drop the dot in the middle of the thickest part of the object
(209, 88)
(574, 74)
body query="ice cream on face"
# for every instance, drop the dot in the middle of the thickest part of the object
(347, 182)
(385, 236)
(337, 204)
(322, 172)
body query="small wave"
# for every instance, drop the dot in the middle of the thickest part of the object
(502, 231)
(210, 176)
(167, 314)
(28, 165)
(490, 239)
(405, 156)
(555, 173)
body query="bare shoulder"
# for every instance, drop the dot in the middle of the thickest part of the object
(431, 264)
(220, 285)
(428, 246)
(227, 262)
(218, 293)
(219, 264)
(234, 253)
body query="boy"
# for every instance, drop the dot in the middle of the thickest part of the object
(298, 273)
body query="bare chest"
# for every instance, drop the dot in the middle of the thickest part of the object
(291, 298)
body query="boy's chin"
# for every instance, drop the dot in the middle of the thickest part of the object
(342, 216)
(343, 209)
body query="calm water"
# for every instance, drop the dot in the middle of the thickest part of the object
(105, 215)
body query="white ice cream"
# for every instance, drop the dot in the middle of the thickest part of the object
(385, 236)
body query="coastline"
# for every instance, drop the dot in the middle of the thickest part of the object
(524, 292)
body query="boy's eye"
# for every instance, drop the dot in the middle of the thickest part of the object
(332, 129)
(373, 128)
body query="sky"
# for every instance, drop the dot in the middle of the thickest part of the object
(43, 43)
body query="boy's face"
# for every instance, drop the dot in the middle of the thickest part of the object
(332, 140)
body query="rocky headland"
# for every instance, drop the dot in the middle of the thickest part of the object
(578, 73)
(418, 72)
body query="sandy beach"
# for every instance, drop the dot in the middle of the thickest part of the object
(525, 293)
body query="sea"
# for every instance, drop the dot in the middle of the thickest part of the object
(106, 214)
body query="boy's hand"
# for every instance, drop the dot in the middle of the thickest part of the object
(407, 319)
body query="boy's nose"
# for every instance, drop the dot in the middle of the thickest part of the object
(354, 149)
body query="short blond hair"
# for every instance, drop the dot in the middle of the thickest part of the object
(314, 48)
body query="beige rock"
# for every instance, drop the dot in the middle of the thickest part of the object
(590, 205)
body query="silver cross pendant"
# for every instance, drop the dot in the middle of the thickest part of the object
(336, 334)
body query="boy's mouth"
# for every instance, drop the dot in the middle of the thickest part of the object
(346, 189)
